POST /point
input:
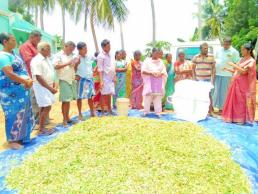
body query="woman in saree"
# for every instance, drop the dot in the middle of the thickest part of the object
(183, 68)
(96, 98)
(121, 68)
(137, 82)
(15, 87)
(128, 73)
(154, 76)
(170, 85)
(240, 102)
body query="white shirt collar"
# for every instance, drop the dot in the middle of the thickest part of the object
(41, 57)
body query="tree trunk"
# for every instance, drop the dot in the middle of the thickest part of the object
(153, 22)
(85, 19)
(41, 15)
(122, 36)
(94, 33)
(63, 23)
(200, 19)
(36, 15)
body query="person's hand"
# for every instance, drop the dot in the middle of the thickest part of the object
(28, 83)
(77, 78)
(159, 74)
(95, 69)
(71, 62)
(101, 84)
(53, 90)
(231, 64)
(114, 80)
(154, 74)
(55, 85)
(77, 61)
(246, 67)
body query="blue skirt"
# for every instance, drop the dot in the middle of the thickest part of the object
(19, 119)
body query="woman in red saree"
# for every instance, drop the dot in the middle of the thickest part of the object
(137, 82)
(240, 102)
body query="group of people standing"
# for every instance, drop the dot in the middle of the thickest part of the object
(30, 80)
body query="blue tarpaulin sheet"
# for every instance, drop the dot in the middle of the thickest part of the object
(242, 140)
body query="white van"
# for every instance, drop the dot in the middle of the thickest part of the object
(193, 48)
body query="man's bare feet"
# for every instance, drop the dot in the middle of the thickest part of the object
(92, 114)
(15, 145)
(80, 118)
(65, 124)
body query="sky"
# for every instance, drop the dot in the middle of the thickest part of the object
(174, 19)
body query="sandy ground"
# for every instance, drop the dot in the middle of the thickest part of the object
(56, 118)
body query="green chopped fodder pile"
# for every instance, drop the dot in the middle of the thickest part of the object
(130, 155)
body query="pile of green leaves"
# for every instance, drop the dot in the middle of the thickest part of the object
(130, 155)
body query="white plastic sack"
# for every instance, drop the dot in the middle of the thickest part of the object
(191, 100)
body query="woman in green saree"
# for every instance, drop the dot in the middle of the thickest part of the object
(120, 87)
(170, 85)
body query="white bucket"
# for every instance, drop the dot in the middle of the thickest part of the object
(122, 106)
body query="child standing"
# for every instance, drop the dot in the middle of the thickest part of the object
(84, 77)
(107, 75)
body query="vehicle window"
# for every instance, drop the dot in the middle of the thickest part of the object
(190, 52)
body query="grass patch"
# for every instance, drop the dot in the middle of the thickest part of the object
(130, 155)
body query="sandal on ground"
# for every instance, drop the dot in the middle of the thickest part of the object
(111, 114)
(71, 122)
(46, 132)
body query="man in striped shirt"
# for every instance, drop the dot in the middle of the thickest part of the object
(204, 68)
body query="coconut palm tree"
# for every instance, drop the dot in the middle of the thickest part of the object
(121, 15)
(65, 6)
(100, 12)
(153, 21)
(122, 35)
(20, 7)
(39, 6)
(213, 14)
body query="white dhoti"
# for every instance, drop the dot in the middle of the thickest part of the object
(43, 96)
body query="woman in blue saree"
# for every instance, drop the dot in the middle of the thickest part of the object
(15, 94)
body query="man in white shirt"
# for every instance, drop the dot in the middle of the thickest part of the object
(43, 86)
(65, 62)
(223, 78)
